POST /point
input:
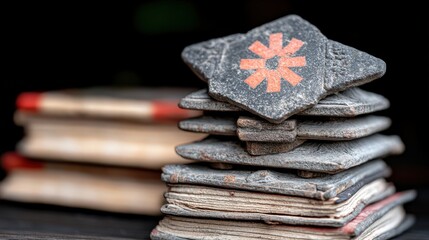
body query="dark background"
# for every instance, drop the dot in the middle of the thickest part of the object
(69, 44)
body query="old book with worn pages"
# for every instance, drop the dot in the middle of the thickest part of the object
(380, 220)
(139, 104)
(124, 143)
(123, 190)
(209, 202)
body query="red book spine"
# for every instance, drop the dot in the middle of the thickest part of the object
(29, 101)
(11, 161)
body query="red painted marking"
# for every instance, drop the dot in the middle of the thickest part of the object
(261, 50)
(252, 63)
(29, 101)
(350, 227)
(12, 160)
(274, 76)
(292, 62)
(169, 110)
(256, 78)
(293, 46)
(290, 76)
(276, 42)
(273, 81)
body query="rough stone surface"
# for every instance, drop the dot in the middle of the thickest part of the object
(259, 124)
(210, 124)
(280, 68)
(255, 130)
(315, 156)
(264, 148)
(252, 129)
(273, 181)
(342, 128)
(349, 103)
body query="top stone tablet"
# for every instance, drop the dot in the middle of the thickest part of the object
(280, 68)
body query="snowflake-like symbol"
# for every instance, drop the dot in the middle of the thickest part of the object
(274, 63)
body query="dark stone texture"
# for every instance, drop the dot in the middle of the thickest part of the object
(259, 124)
(305, 67)
(342, 128)
(315, 156)
(264, 148)
(272, 181)
(349, 103)
(225, 126)
(257, 130)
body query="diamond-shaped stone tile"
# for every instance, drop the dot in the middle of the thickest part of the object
(280, 68)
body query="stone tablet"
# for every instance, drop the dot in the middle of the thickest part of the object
(264, 148)
(224, 126)
(258, 130)
(276, 182)
(349, 103)
(314, 156)
(280, 68)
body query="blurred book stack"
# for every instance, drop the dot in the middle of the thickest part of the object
(98, 148)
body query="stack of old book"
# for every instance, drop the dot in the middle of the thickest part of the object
(98, 148)
(294, 150)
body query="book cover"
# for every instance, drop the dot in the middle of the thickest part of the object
(141, 104)
(121, 190)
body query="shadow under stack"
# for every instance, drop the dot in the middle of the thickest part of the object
(294, 150)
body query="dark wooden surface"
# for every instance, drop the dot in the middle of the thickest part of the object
(29, 221)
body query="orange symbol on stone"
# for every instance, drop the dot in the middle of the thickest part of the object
(274, 63)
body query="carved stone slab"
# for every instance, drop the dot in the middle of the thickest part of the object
(271, 181)
(225, 126)
(258, 130)
(338, 129)
(264, 148)
(280, 68)
(349, 103)
(328, 157)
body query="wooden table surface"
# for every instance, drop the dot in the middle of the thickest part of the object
(33, 221)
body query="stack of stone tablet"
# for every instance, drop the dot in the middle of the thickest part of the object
(294, 150)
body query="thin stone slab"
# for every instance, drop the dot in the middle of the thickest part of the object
(280, 68)
(204, 202)
(258, 130)
(380, 220)
(342, 129)
(333, 130)
(315, 156)
(224, 126)
(276, 182)
(260, 125)
(264, 148)
(349, 103)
